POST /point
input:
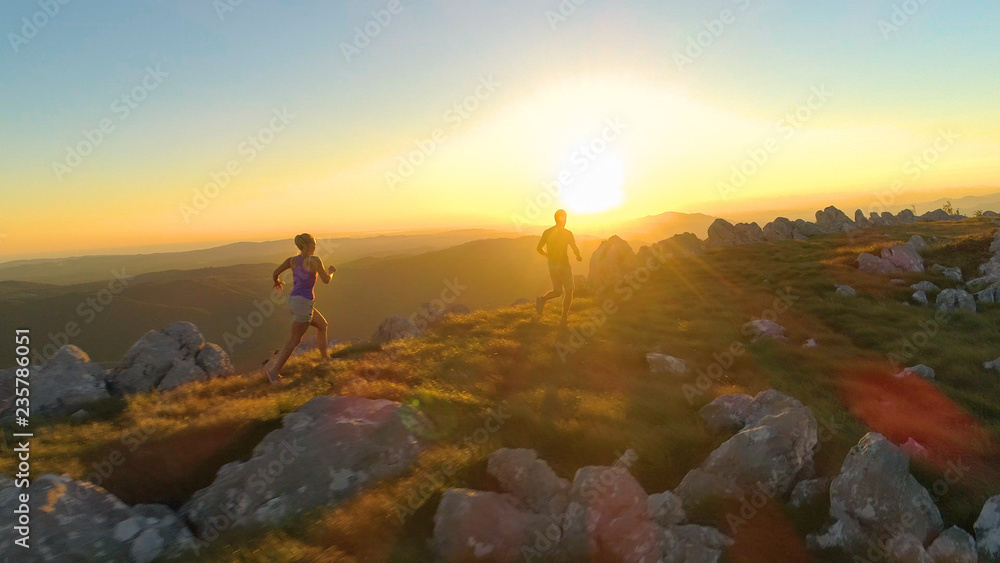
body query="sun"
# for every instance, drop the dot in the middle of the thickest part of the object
(600, 186)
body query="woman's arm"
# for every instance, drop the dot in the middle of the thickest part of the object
(317, 266)
(278, 284)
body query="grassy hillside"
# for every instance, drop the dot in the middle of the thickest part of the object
(583, 396)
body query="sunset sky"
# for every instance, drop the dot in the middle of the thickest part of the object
(498, 99)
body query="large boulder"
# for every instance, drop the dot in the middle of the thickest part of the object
(987, 528)
(773, 451)
(874, 265)
(530, 480)
(905, 216)
(726, 414)
(956, 300)
(989, 295)
(325, 452)
(721, 233)
(77, 521)
(954, 545)
(484, 526)
(164, 359)
(394, 328)
(611, 262)
(875, 497)
(904, 258)
(66, 382)
(833, 220)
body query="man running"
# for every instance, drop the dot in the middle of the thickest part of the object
(555, 244)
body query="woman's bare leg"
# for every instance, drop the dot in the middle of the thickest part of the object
(298, 331)
(319, 321)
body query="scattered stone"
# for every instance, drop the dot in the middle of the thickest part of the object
(926, 287)
(904, 258)
(938, 268)
(811, 343)
(395, 328)
(917, 243)
(994, 365)
(764, 329)
(989, 295)
(66, 382)
(662, 363)
(846, 291)
(920, 370)
(872, 264)
(954, 545)
(870, 497)
(921, 297)
(954, 274)
(956, 300)
(326, 451)
(78, 521)
(529, 480)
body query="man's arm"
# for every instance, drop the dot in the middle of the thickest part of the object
(576, 249)
(281, 269)
(320, 269)
(541, 244)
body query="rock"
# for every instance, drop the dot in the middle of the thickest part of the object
(693, 544)
(917, 243)
(811, 343)
(956, 300)
(772, 452)
(833, 220)
(782, 229)
(904, 258)
(860, 220)
(990, 214)
(989, 295)
(914, 449)
(723, 233)
(614, 522)
(987, 529)
(994, 365)
(872, 264)
(871, 495)
(662, 363)
(926, 287)
(395, 328)
(164, 359)
(529, 480)
(846, 291)
(938, 268)
(940, 215)
(77, 521)
(807, 228)
(610, 263)
(764, 329)
(66, 382)
(907, 548)
(214, 361)
(809, 492)
(920, 370)
(954, 545)
(726, 414)
(921, 297)
(326, 451)
(905, 216)
(954, 274)
(482, 526)
(666, 508)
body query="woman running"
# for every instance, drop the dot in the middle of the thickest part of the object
(305, 269)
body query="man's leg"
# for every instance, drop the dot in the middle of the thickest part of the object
(556, 290)
(568, 299)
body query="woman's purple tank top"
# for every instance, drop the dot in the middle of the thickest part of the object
(303, 280)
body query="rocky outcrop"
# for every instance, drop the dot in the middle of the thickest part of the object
(875, 498)
(723, 233)
(326, 451)
(956, 300)
(833, 220)
(394, 328)
(677, 246)
(611, 262)
(66, 382)
(772, 452)
(941, 215)
(603, 515)
(783, 229)
(164, 359)
(76, 521)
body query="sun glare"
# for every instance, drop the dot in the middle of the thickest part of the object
(599, 188)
